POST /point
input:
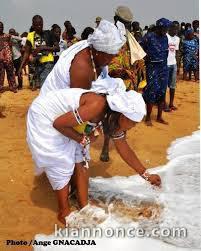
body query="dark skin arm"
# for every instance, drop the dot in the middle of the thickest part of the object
(92, 106)
(81, 71)
(129, 156)
(27, 52)
(10, 42)
(121, 72)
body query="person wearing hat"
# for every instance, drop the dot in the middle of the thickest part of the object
(98, 19)
(59, 150)
(126, 65)
(155, 45)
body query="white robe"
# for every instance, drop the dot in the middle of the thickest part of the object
(59, 77)
(52, 152)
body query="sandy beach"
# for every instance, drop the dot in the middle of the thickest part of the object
(28, 204)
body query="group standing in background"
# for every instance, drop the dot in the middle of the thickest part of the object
(169, 49)
(40, 50)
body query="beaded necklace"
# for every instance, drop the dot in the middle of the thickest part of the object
(93, 64)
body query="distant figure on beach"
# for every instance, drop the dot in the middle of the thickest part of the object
(137, 31)
(195, 25)
(56, 30)
(23, 43)
(173, 44)
(144, 32)
(6, 61)
(190, 48)
(86, 32)
(155, 45)
(98, 19)
(178, 52)
(17, 56)
(69, 34)
(59, 150)
(40, 45)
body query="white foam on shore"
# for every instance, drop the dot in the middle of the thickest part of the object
(179, 197)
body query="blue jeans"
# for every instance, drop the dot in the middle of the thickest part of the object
(172, 76)
(42, 71)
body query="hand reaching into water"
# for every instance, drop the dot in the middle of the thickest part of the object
(155, 180)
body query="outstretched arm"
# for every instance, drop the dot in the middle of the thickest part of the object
(129, 156)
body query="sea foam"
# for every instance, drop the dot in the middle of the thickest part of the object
(131, 202)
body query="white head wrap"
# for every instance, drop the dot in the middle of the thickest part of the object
(108, 38)
(130, 103)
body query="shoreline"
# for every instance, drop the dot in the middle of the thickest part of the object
(29, 204)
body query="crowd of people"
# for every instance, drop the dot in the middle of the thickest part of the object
(40, 50)
(108, 79)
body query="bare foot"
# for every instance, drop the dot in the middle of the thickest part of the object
(13, 89)
(34, 88)
(2, 116)
(173, 108)
(104, 157)
(62, 215)
(162, 121)
(94, 202)
(148, 122)
(167, 109)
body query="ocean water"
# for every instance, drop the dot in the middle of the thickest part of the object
(130, 202)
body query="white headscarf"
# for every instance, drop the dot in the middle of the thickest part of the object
(108, 38)
(130, 103)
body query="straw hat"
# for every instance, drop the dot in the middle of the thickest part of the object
(98, 19)
(124, 13)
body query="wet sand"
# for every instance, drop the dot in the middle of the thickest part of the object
(28, 204)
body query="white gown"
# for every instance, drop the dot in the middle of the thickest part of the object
(59, 77)
(52, 152)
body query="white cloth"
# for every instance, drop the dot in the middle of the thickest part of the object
(108, 38)
(173, 46)
(23, 42)
(63, 46)
(16, 50)
(136, 51)
(59, 77)
(130, 103)
(56, 154)
(52, 152)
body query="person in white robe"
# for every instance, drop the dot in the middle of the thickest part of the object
(86, 60)
(59, 149)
